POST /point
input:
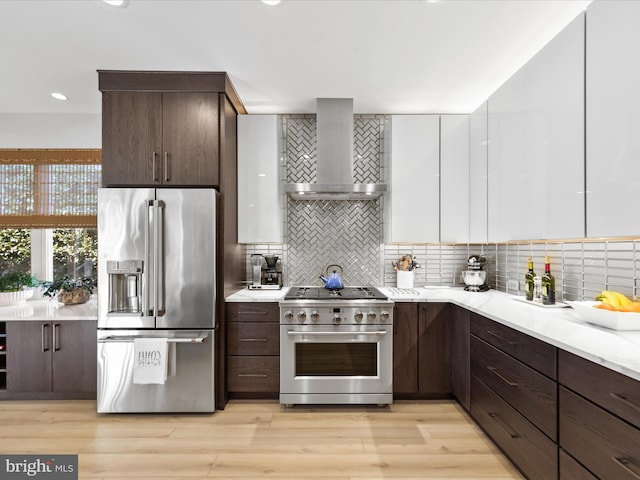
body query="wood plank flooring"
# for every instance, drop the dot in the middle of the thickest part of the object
(253, 440)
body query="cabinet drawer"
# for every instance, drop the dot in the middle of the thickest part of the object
(528, 391)
(604, 444)
(253, 312)
(529, 449)
(572, 470)
(253, 338)
(535, 353)
(611, 390)
(253, 374)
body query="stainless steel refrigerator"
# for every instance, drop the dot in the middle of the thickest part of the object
(156, 288)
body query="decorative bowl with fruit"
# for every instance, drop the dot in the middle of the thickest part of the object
(610, 310)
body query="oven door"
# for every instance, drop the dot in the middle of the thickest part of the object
(336, 364)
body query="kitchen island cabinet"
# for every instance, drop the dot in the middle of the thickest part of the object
(48, 359)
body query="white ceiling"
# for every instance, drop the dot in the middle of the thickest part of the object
(390, 56)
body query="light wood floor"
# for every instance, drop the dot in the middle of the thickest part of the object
(255, 440)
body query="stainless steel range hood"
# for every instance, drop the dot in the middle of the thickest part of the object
(334, 140)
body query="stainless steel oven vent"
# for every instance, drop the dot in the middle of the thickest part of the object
(334, 137)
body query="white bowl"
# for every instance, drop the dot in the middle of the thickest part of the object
(606, 318)
(16, 298)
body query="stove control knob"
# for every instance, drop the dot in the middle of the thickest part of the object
(301, 316)
(315, 316)
(371, 316)
(384, 315)
(288, 315)
(358, 316)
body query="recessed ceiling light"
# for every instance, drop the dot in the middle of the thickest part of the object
(117, 3)
(59, 96)
(271, 3)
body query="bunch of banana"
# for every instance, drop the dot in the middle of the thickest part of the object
(616, 301)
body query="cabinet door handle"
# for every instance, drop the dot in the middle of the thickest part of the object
(56, 337)
(495, 371)
(255, 375)
(623, 398)
(45, 337)
(166, 167)
(154, 170)
(502, 426)
(254, 340)
(628, 465)
(241, 312)
(494, 334)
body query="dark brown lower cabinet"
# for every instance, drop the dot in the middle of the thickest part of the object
(253, 374)
(460, 355)
(529, 449)
(51, 358)
(421, 350)
(405, 348)
(253, 349)
(528, 391)
(606, 445)
(572, 470)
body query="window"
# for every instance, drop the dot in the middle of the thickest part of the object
(48, 211)
(49, 188)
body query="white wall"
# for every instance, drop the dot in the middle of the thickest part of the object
(50, 130)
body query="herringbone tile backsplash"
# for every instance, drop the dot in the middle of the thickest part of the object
(350, 234)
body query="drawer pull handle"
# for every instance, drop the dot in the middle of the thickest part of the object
(255, 375)
(240, 312)
(254, 340)
(624, 399)
(502, 426)
(495, 371)
(628, 465)
(494, 334)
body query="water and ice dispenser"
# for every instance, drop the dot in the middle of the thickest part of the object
(125, 287)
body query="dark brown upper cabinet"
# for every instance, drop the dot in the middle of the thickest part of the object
(163, 128)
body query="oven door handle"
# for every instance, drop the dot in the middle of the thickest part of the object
(376, 332)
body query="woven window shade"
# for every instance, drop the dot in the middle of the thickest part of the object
(49, 188)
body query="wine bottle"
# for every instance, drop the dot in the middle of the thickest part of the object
(528, 281)
(548, 285)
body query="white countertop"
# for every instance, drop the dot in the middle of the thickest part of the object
(247, 295)
(561, 327)
(46, 310)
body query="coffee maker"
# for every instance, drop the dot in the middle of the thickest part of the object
(265, 278)
(475, 277)
(271, 277)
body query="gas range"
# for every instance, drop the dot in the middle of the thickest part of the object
(347, 306)
(348, 293)
(336, 346)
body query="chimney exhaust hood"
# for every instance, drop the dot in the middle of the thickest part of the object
(334, 140)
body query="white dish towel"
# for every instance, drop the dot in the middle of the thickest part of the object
(150, 360)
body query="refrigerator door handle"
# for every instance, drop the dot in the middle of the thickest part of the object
(159, 258)
(147, 287)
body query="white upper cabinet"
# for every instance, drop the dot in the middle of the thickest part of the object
(414, 194)
(454, 178)
(478, 175)
(536, 145)
(613, 118)
(259, 219)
